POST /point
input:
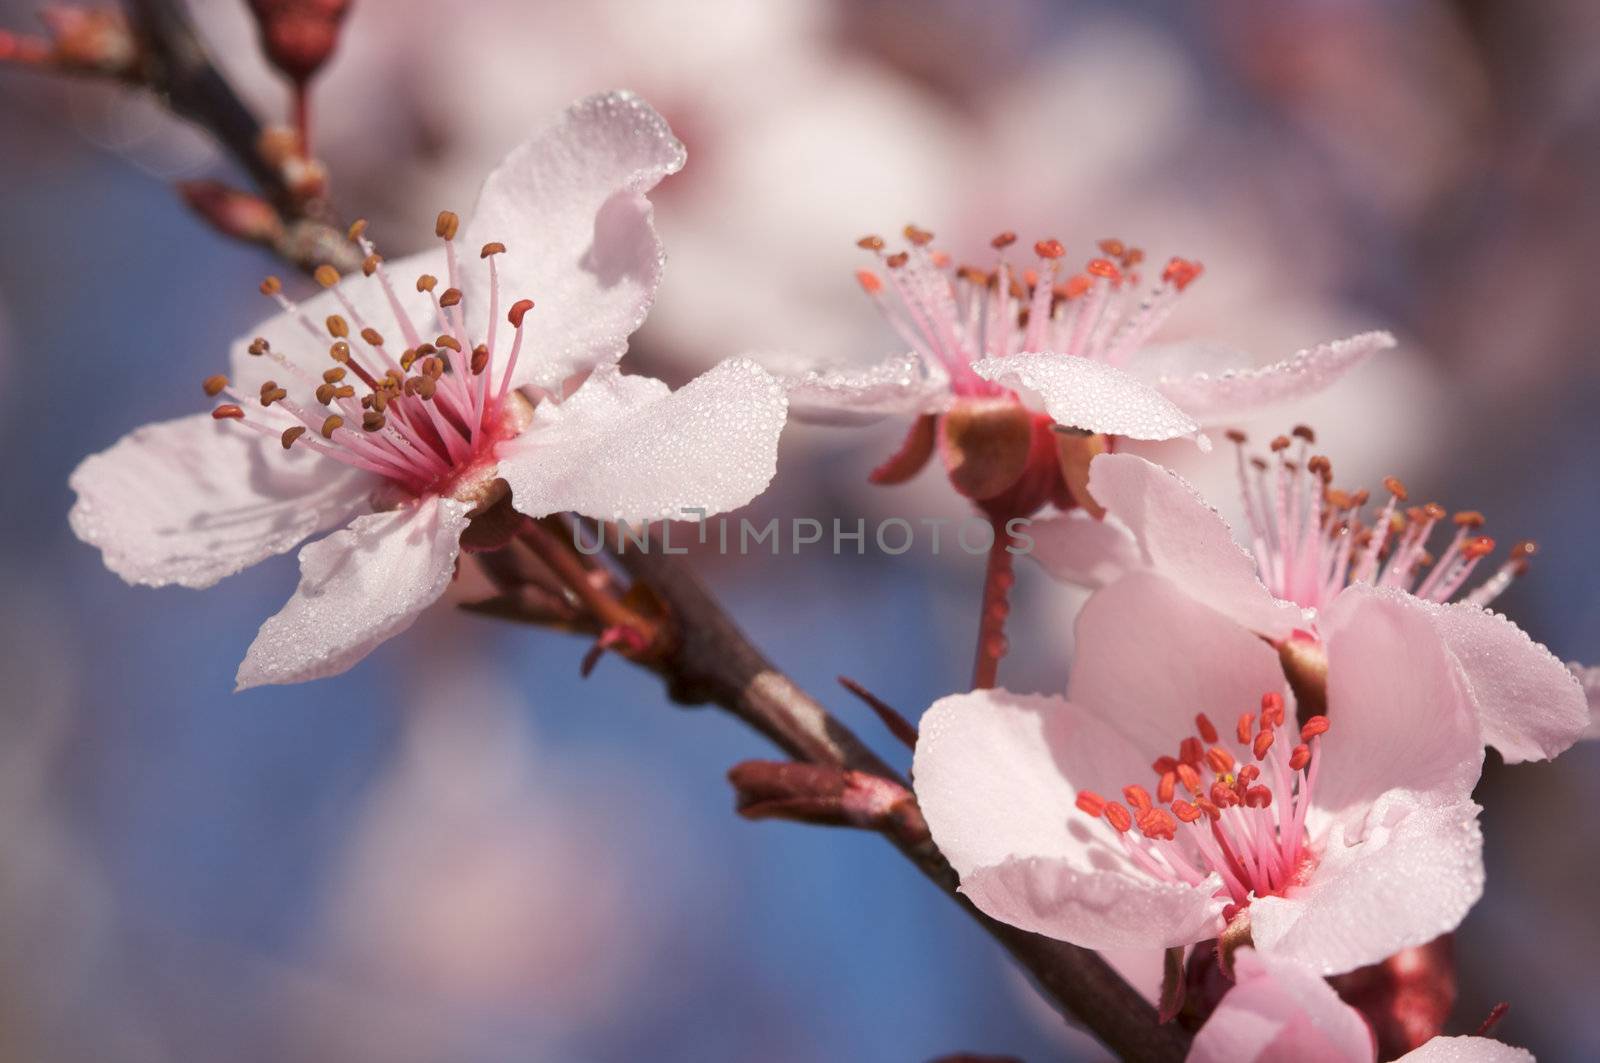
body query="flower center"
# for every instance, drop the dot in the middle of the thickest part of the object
(955, 315)
(1310, 540)
(426, 418)
(1245, 814)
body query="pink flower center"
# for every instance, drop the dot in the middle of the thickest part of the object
(1310, 540)
(955, 315)
(1245, 814)
(426, 418)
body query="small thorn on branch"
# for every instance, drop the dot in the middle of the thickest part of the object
(827, 796)
(897, 724)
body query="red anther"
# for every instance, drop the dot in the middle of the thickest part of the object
(1469, 518)
(1315, 726)
(1167, 788)
(1524, 550)
(1189, 777)
(1104, 267)
(896, 260)
(1236, 436)
(1190, 750)
(918, 237)
(870, 243)
(1272, 708)
(1246, 720)
(1482, 546)
(1181, 272)
(1205, 805)
(1112, 247)
(940, 259)
(1279, 444)
(1220, 760)
(1249, 774)
(1300, 757)
(1158, 823)
(227, 412)
(1091, 802)
(1051, 249)
(1137, 796)
(1118, 817)
(1262, 743)
(1303, 431)
(1076, 285)
(1185, 811)
(1132, 258)
(1393, 485)
(1258, 797)
(1433, 511)
(1163, 765)
(1230, 912)
(1202, 723)
(870, 282)
(518, 311)
(1004, 240)
(1223, 796)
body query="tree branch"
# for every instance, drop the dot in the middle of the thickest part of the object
(714, 662)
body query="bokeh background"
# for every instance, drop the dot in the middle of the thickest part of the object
(461, 851)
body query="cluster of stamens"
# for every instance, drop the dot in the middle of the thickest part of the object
(1310, 539)
(1243, 810)
(420, 416)
(955, 315)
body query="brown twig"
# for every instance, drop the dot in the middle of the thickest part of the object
(714, 662)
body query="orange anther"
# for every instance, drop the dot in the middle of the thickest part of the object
(1220, 760)
(1167, 787)
(1003, 241)
(1118, 817)
(1262, 744)
(1189, 777)
(1393, 485)
(1137, 796)
(1050, 249)
(1272, 708)
(1482, 546)
(1090, 802)
(1104, 267)
(1180, 273)
(518, 310)
(1313, 727)
(1300, 757)
(870, 243)
(227, 412)
(1246, 721)
(1258, 797)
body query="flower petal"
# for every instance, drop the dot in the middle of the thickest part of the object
(1185, 540)
(1589, 679)
(1210, 397)
(570, 207)
(1089, 394)
(1399, 876)
(1150, 657)
(997, 775)
(1095, 909)
(1401, 721)
(626, 448)
(193, 500)
(1529, 704)
(358, 587)
(1466, 1050)
(905, 385)
(1281, 1010)
(1075, 548)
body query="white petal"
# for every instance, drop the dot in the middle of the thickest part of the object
(906, 385)
(1589, 679)
(1089, 394)
(1150, 657)
(1401, 721)
(1466, 1050)
(1210, 397)
(1279, 1010)
(1185, 540)
(358, 587)
(1078, 549)
(625, 448)
(997, 775)
(1400, 876)
(193, 500)
(570, 207)
(1529, 704)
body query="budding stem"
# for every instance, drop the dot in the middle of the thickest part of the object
(998, 579)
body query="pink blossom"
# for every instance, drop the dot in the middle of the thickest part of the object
(1312, 550)
(1171, 795)
(1589, 679)
(1281, 1010)
(1075, 345)
(431, 397)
